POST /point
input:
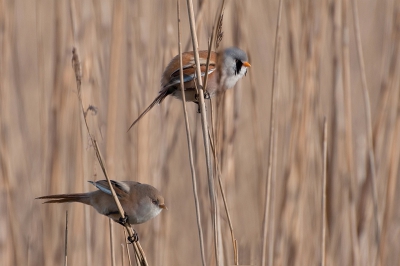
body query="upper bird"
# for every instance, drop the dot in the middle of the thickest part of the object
(141, 202)
(225, 69)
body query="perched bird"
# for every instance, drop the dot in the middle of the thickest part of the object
(225, 69)
(141, 202)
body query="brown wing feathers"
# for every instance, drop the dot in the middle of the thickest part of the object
(172, 71)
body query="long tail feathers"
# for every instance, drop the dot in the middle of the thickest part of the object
(157, 100)
(61, 198)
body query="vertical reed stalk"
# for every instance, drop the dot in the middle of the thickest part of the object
(66, 240)
(83, 151)
(112, 250)
(204, 128)
(218, 172)
(325, 160)
(368, 116)
(127, 249)
(272, 150)
(190, 146)
(349, 135)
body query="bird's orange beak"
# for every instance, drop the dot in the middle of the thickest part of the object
(246, 64)
(162, 206)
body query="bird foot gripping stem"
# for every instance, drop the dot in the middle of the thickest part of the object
(134, 238)
(124, 221)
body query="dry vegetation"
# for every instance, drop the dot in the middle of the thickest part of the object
(124, 47)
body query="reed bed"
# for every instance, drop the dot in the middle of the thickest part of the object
(336, 119)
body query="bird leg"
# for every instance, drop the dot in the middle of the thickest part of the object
(123, 221)
(196, 97)
(206, 95)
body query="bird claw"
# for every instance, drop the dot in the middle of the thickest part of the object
(134, 238)
(206, 96)
(196, 97)
(124, 220)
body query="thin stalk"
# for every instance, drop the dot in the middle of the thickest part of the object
(218, 170)
(111, 242)
(78, 77)
(217, 30)
(349, 133)
(122, 255)
(83, 151)
(204, 127)
(127, 249)
(325, 159)
(190, 146)
(367, 106)
(66, 240)
(272, 147)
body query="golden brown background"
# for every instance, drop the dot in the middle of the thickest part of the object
(124, 47)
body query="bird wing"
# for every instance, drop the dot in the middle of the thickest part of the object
(120, 188)
(188, 75)
(189, 69)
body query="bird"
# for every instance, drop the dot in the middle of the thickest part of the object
(225, 69)
(141, 202)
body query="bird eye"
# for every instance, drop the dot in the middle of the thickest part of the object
(239, 65)
(155, 202)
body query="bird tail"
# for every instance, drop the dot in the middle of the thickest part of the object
(164, 93)
(62, 198)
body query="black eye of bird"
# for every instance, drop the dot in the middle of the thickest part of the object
(239, 65)
(155, 202)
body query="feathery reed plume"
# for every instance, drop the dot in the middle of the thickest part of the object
(219, 33)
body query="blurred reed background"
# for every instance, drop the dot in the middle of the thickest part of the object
(124, 47)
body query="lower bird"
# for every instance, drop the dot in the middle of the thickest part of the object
(225, 69)
(141, 202)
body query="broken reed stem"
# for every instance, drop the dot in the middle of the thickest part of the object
(76, 65)
(272, 149)
(190, 147)
(204, 128)
(367, 106)
(325, 159)
(66, 240)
